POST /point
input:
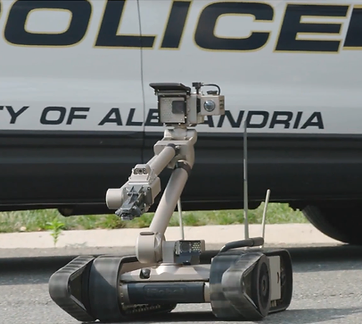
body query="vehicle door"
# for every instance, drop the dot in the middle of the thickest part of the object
(70, 96)
(291, 70)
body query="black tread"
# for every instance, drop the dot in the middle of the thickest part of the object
(104, 289)
(230, 299)
(105, 303)
(60, 288)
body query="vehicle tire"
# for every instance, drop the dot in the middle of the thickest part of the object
(338, 222)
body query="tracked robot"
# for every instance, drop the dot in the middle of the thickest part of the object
(242, 281)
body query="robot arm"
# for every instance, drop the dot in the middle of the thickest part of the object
(138, 194)
(178, 109)
(239, 284)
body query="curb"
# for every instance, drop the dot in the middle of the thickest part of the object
(280, 234)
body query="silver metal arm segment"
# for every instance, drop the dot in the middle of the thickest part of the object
(137, 195)
(175, 151)
(178, 109)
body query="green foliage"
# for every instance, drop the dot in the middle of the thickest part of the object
(55, 226)
(40, 220)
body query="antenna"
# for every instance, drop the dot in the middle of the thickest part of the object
(245, 176)
(264, 215)
(180, 219)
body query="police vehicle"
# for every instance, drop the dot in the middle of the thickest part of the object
(76, 111)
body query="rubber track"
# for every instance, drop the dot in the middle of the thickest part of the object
(104, 292)
(229, 300)
(60, 288)
(78, 272)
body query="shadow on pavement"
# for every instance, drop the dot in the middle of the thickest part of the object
(306, 316)
(295, 316)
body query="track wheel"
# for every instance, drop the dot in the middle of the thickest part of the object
(260, 286)
(103, 289)
(240, 286)
(104, 293)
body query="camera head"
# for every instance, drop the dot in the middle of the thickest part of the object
(177, 105)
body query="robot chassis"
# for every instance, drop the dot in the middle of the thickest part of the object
(242, 281)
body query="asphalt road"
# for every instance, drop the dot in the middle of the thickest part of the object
(327, 289)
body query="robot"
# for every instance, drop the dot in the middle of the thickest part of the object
(241, 281)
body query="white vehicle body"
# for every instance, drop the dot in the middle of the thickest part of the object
(77, 112)
(287, 85)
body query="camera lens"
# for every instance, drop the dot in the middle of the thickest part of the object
(209, 105)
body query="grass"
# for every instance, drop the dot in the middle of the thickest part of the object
(38, 220)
